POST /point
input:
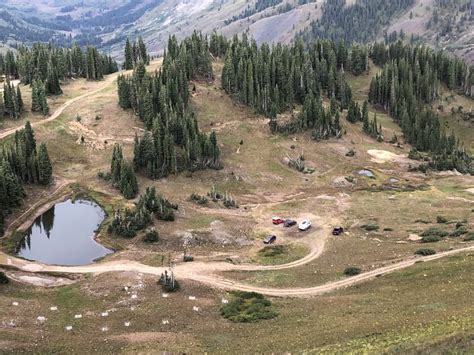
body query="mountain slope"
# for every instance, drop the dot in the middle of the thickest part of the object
(440, 23)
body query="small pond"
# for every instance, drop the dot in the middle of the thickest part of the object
(64, 235)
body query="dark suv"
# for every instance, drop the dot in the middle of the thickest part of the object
(289, 223)
(270, 239)
(337, 231)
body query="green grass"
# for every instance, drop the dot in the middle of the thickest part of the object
(280, 254)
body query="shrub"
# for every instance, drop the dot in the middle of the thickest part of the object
(188, 258)
(168, 282)
(459, 231)
(469, 237)
(370, 227)
(352, 271)
(200, 200)
(271, 251)
(350, 153)
(441, 220)
(104, 176)
(388, 229)
(151, 236)
(425, 252)
(434, 231)
(3, 278)
(247, 307)
(430, 239)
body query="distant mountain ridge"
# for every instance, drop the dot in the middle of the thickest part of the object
(106, 23)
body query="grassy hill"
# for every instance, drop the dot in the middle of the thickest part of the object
(427, 306)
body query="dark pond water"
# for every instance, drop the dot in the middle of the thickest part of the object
(64, 235)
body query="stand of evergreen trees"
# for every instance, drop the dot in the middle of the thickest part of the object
(135, 53)
(38, 98)
(173, 141)
(130, 221)
(21, 163)
(429, 68)
(410, 79)
(122, 174)
(361, 21)
(49, 64)
(11, 104)
(273, 80)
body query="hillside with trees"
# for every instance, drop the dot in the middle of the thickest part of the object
(173, 141)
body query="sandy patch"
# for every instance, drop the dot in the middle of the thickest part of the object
(384, 156)
(414, 237)
(471, 190)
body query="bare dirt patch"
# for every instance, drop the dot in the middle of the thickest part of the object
(384, 156)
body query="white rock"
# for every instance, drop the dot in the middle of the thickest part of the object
(164, 295)
(54, 308)
(104, 329)
(69, 328)
(15, 303)
(78, 316)
(105, 314)
(134, 297)
(165, 321)
(224, 301)
(132, 308)
(196, 309)
(192, 298)
(127, 324)
(126, 288)
(41, 319)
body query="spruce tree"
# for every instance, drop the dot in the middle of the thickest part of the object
(45, 170)
(128, 64)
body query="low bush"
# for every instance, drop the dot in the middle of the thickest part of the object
(271, 251)
(469, 237)
(350, 153)
(247, 307)
(200, 200)
(168, 282)
(441, 220)
(425, 252)
(352, 271)
(434, 231)
(430, 239)
(370, 227)
(459, 231)
(3, 278)
(151, 236)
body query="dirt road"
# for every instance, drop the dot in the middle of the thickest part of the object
(109, 80)
(204, 272)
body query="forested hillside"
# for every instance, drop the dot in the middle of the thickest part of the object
(161, 101)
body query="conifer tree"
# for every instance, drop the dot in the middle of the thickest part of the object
(45, 170)
(128, 64)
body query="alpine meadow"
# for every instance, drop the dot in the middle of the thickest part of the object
(237, 176)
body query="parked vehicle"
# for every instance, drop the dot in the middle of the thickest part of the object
(337, 231)
(289, 223)
(277, 220)
(270, 239)
(304, 225)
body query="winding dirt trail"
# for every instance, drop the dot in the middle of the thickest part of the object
(204, 272)
(109, 80)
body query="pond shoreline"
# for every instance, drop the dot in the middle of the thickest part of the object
(14, 235)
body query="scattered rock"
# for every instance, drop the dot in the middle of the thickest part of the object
(414, 237)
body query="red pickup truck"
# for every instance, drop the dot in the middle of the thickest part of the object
(277, 220)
